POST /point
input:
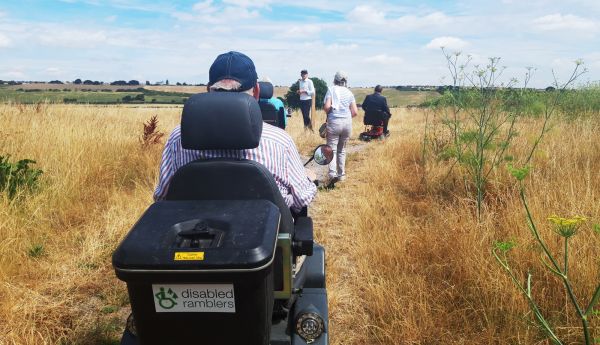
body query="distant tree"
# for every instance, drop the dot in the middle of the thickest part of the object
(119, 82)
(184, 84)
(127, 99)
(88, 82)
(178, 84)
(133, 82)
(147, 82)
(77, 81)
(293, 100)
(550, 88)
(97, 82)
(1, 82)
(139, 97)
(167, 82)
(55, 82)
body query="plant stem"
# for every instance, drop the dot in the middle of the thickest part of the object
(566, 255)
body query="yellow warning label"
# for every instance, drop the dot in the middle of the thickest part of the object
(189, 256)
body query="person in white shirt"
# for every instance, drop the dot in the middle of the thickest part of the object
(340, 107)
(306, 90)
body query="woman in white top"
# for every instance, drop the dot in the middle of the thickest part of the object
(340, 107)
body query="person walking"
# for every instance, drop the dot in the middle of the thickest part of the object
(306, 90)
(340, 107)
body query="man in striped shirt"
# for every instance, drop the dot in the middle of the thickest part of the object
(235, 72)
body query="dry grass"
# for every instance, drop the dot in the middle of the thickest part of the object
(407, 264)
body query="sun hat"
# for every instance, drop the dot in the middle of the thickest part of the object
(341, 76)
(233, 65)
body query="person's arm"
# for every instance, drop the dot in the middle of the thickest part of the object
(353, 107)
(327, 102)
(301, 188)
(167, 170)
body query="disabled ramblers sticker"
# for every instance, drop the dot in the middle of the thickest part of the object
(194, 298)
(189, 256)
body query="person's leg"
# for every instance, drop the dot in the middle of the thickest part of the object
(332, 140)
(305, 108)
(345, 132)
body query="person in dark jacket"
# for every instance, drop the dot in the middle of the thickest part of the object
(377, 110)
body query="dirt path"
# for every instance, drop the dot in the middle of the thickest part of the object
(354, 145)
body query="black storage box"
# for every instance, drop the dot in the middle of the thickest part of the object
(201, 271)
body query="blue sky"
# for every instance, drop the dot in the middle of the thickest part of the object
(375, 42)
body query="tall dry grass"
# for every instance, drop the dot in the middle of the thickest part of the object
(407, 263)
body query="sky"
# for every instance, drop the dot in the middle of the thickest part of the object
(374, 42)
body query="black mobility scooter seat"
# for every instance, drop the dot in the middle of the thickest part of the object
(270, 114)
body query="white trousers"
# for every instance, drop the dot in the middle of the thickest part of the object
(338, 133)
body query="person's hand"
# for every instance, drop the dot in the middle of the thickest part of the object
(310, 174)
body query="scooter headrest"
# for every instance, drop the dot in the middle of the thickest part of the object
(266, 89)
(221, 120)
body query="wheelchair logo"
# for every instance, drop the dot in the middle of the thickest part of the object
(166, 299)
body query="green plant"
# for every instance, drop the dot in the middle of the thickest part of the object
(480, 115)
(36, 250)
(16, 176)
(565, 228)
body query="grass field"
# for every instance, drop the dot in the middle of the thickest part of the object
(407, 262)
(108, 94)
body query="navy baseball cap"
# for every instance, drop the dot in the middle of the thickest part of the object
(236, 66)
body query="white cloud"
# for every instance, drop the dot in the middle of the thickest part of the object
(384, 59)
(366, 14)
(73, 38)
(204, 6)
(340, 47)
(300, 31)
(13, 74)
(240, 13)
(4, 41)
(567, 22)
(449, 42)
(111, 19)
(432, 20)
(248, 3)
(54, 71)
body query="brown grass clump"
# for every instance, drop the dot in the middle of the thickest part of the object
(151, 135)
(407, 262)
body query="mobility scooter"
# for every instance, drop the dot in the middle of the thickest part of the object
(222, 260)
(373, 122)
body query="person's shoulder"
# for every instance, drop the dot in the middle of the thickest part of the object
(348, 92)
(276, 135)
(175, 134)
(276, 102)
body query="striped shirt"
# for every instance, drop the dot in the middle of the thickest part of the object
(340, 102)
(276, 151)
